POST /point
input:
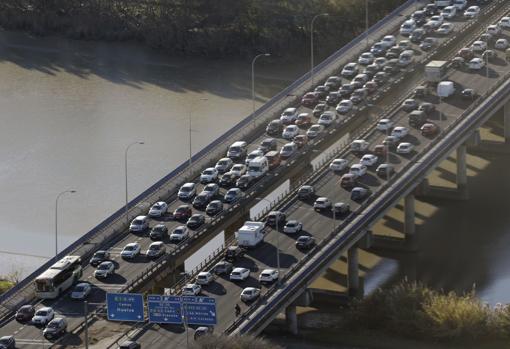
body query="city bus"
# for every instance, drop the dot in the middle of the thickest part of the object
(58, 278)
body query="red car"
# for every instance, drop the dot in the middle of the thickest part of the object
(429, 130)
(310, 99)
(303, 120)
(380, 150)
(300, 140)
(182, 212)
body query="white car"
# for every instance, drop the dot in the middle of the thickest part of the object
(209, 175)
(349, 70)
(366, 58)
(479, 46)
(131, 250)
(224, 164)
(290, 132)
(288, 116)
(314, 131)
(407, 27)
(404, 148)
(43, 316)
(191, 290)
(252, 155)
(156, 249)
(238, 169)
(240, 274)
(368, 160)
(501, 44)
(250, 294)
(104, 270)
(445, 28)
(358, 170)
(204, 278)
(449, 12)
(140, 223)
(338, 165)
(292, 227)
(504, 22)
(494, 29)
(327, 118)
(476, 64)
(384, 124)
(158, 209)
(179, 234)
(81, 291)
(268, 276)
(435, 21)
(322, 203)
(389, 41)
(344, 106)
(400, 132)
(472, 12)
(187, 191)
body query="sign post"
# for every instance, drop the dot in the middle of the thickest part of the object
(125, 307)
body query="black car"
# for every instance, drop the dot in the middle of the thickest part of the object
(305, 242)
(129, 345)
(201, 200)
(341, 208)
(333, 98)
(195, 221)
(334, 82)
(322, 91)
(223, 267)
(468, 93)
(385, 170)
(25, 313)
(394, 52)
(55, 328)
(319, 109)
(359, 193)
(431, 10)
(233, 253)
(346, 90)
(306, 192)
(7, 342)
(417, 35)
(99, 257)
(268, 144)
(228, 179)
(390, 141)
(419, 17)
(275, 127)
(214, 208)
(245, 181)
(276, 217)
(380, 78)
(158, 232)
(391, 69)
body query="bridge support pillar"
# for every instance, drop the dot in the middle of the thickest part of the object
(291, 318)
(475, 139)
(506, 122)
(409, 224)
(353, 272)
(462, 187)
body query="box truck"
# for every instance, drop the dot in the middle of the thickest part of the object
(435, 71)
(250, 234)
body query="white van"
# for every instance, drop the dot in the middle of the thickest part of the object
(449, 12)
(237, 150)
(140, 223)
(460, 4)
(445, 89)
(406, 58)
(258, 167)
(359, 146)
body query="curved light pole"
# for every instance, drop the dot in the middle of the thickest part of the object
(253, 80)
(126, 173)
(311, 42)
(70, 191)
(366, 22)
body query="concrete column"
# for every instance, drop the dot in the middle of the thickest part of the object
(461, 170)
(291, 318)
(353, 271)
(506, 122)
(409, 226)
(475, 139)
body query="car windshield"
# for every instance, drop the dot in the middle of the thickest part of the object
(291, 224)
(129, 248)
(288, 148)
(104, 266)
(302, 239)
(236, 273)
(208, 172)
(154, 247)
(99, 254)
(159, 228)
(137, 222)
(186, 189)
(25, 310)
(53, 324)
(315, 128)
(79, 288)
(223, 162)
(181, 209)
(41, 313)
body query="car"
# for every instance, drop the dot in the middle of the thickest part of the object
(214, 207)
(179, 234)
(156, 249)
(341, 208)
(504, 22)
(305, 242)
(468, 93)
(333, 98)
(493, 29)
(288, 150)
(223, 267)
(346, 90)
(250, 294)
(467, 53)
(213, 189)
(244, 181)
(25, 313)
(306, 192)
(338, 165)
(187, 191)
(429, 129)
(252, 155)
(472, 12)
(310, 99)
(158, 209)
(44, 315)
(182, 212)
(358, 96)
(458, 62)
(380, 78)
(384, 125)
(158, 232)
(203, 331)
(81, 291)
(327, 118)
(359, 193)
(349, 70)
(430, 9)
(445, 28)
(303, 120)
(288, 116)
(488, 54)
(129, 345)
(274, 127)
(436, 21)
(268, 144)
(275, 218)
(191, 290)
(228, 179)
(239, 274)
(55, 328)
(404, 45)
(237, 150)
(104, 270)
(479, 46)
(233, 253)
(131, 250)
(410, 104)
(99, 257)
(300, 140)
(333, 82)
(360, 79)
(390, 141)
(407, 27)
(417, 35)
(202, 200)
(7, 342)
(405, 148)
(358, 170)
(322, 203)
(319, 109)
(224, 164)
(378, 49)
(393, 52)
(348, 180)
(344, 106)
(366, 58)
(400, 132)
(314, 131)
(380, 150)
(290, 132)
(501, 44)
(476, 64)
(369, 160)
(139, 224)
(209, 175)
(237, 169)
(389, 41)
(449, 12)
(371, 87)
(322, 91)
(427, 108)
(268, 276)
(385, 170)
(428, 43)
(292, 226)
(232, 195)
(204, 278)
(420, 17)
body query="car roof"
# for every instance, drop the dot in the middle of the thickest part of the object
(239, 269)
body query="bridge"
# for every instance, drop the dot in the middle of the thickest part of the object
(458, 119)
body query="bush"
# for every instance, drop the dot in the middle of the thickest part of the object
(225, 342)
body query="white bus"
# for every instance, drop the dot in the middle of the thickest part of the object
(58, 278)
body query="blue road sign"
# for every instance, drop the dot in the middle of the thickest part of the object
(124, 306)
(164, 309)
(200, 310)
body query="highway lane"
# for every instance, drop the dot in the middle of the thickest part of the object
(125, 271)
(317, 224)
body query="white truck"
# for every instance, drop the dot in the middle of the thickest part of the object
(258, 167)
(250, 234)
(359, 146)
(435, 71)
(445, 89)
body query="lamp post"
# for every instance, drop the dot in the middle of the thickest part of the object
(366, 22)
(190, 130)
(278, 218)
(253, 80)
(126, 175)
(311, 42)
(487, 65)
(56, 217)
(184, 313)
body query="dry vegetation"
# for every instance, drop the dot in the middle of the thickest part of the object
(243, 342)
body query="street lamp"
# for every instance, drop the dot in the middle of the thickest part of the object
(56, 217)
(190, 130)
(311, 42)
(253, 80)
(366, 22)
(126, 173)
(277, 238)
(184, 314)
